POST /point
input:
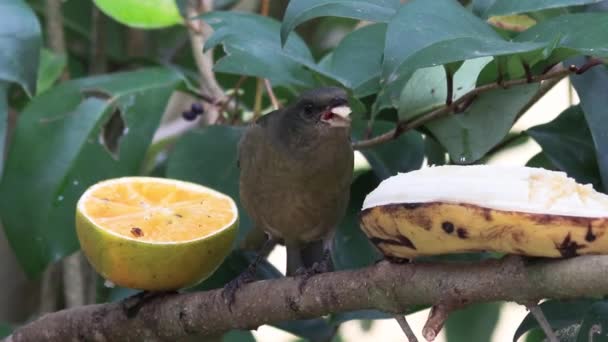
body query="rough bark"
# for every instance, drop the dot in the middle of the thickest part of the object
(388, 287)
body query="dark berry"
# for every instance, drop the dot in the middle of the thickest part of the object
(189, 115)
(197, 108)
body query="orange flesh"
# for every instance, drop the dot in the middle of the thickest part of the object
(158, 212)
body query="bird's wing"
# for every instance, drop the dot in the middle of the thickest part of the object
(255, 132)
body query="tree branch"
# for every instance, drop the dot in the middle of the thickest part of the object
(466, 99)
(388, 287)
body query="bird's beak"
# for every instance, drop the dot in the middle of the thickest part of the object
(338, 116)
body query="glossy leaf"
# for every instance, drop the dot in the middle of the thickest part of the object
(559, 314)
(592, 87)
(473, 323)
(403, 154)
(595, 321)
(488, 8)
(299, 11)
(50, 69)
(352, 249)
(439, 32)
(142, 14)
(541, 160)
(209, 157)
(427, 88)
(468, 136)
(58, 150)
(20, 44)
(571, 34)
(357, 60)
(567, 143)
(263, 56)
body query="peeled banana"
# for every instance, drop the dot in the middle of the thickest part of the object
(515, 210)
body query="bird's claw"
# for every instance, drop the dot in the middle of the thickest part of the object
(230, 289)
(131, 305)
(306, 273)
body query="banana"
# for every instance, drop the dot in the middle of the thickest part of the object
(515, 210)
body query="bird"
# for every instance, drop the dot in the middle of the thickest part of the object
(296, 168)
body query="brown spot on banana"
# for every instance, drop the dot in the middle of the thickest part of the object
(447, 227)
(457, 228)
(462, 233)
(568, 248)
(589, 237)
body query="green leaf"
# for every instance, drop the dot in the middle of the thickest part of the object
(571, 34)
(591, 88)
(357, 60)
(299, 11)
(146, 14)
(209, 157)
(262, 56)
(473, 323)
(20, 44)
(352, 249)
(50, 69)
(435, 153)
(567, 143)
(559, 314)
(404, 154)
(541, 160)
(439, 32)
(488, 8)
(594, 324)
(5, 329)
(67, 139)
(427, 88)
(468, 136)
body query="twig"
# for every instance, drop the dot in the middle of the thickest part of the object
(449, 77)
(54, 26)
(97, 55)
(273, 99)
(434, 323)
(544, 88)
(54, 29)
(198, 33)
(404, 126)
(204, 313)
(257, 104)
(538, 314)
(407, 330)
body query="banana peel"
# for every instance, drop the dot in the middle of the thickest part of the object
(514, 210)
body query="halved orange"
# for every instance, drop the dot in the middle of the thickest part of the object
(155, 233)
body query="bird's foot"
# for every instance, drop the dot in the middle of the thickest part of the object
(305, 274)
(230, 289)
(131, 305)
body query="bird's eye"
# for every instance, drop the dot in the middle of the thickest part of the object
(308, 108)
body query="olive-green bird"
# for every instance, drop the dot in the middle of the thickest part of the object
(296, 166)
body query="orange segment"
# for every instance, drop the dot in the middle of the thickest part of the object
(157, 211)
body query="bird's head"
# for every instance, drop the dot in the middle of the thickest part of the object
(326, 106)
